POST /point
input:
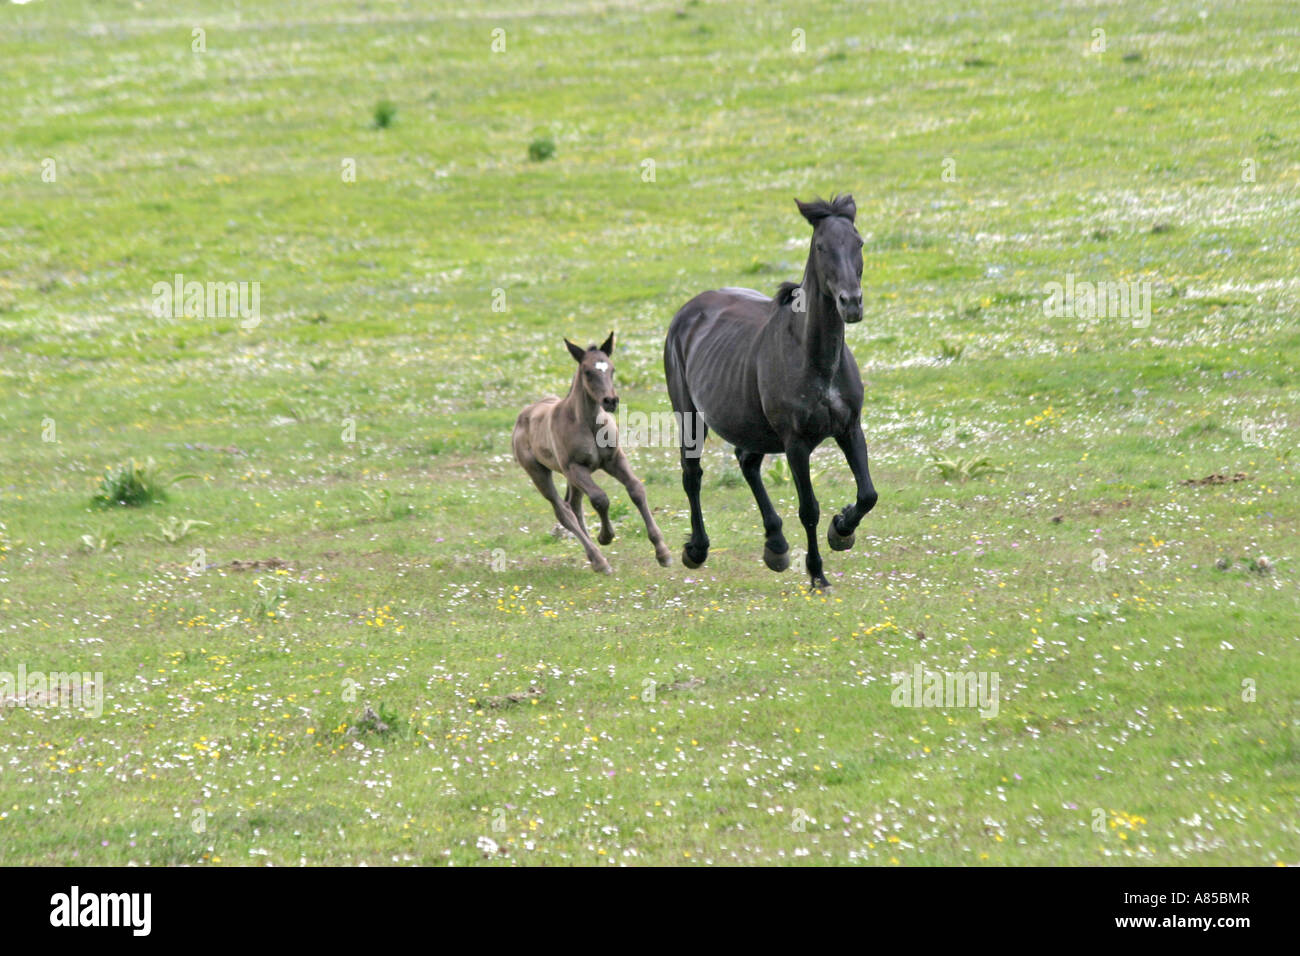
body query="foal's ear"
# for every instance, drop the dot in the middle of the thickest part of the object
(608, 347)
(576, 352)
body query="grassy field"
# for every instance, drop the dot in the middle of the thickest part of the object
(370, 544)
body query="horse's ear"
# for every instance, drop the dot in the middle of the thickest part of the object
(846, 207)
(809, 211)
(575, 351)
(608, 347)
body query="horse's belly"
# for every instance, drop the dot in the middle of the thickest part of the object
(750, 434)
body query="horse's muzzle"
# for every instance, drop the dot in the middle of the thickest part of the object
(610, 404)
(849, 305)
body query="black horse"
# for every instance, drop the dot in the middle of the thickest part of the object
(774, 376)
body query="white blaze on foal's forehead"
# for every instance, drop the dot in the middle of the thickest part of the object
(601, 366)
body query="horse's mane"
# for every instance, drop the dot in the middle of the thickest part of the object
(785, 293)
(839, 205)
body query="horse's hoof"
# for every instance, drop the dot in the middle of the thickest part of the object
(837, 541)
(605, 537)
(690, 562)
(602, 568)
(776, 560)
(664, 558)
(819, 585)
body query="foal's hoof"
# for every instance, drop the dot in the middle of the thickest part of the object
(605, 537)
(664, 558)
(837, 541)
(689, 561)
(819, 585)
(776, 560)
(602, 568)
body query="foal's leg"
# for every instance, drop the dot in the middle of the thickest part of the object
(839, 533)
(580, 479)
(541, 476)
(797, 455)
(776, 550)
(574, 499)
(622, 472)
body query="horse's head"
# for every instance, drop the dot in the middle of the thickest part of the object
(596, 372)
(836, 258)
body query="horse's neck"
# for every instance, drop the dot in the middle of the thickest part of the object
(821, 331)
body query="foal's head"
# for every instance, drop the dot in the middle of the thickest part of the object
(596, 372)
(836, 257)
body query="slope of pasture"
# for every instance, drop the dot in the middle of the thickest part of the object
(522, 709)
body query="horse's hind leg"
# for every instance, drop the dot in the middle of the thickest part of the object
(622, 472)
(541, 476)
(693, 433)
(776, 550)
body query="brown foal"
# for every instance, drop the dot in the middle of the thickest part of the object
(575, 436)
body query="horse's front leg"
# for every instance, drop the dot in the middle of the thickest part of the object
(839, 533)
(797, 455)
(622, 473)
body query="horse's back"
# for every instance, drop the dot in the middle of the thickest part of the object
(721, 322)
(725, 309)
(709, 361)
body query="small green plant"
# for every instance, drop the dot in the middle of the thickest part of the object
(133, 485)
(951, 350)
(174, 529)
(730, 478)
(541, 149)
(380, 503)
(92, 543)
(268, 600)
(959, 469)
(778, 473)
(382, 722)
(385, 113)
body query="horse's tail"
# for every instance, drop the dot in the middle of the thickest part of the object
(679, 392)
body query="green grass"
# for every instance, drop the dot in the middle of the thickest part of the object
(372, 556)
